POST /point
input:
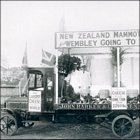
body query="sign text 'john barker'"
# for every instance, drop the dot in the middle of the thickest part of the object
(124, 38)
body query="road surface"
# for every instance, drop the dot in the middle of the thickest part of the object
(49, 130)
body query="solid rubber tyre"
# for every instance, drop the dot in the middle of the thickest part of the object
(8, 124)
(123, 126)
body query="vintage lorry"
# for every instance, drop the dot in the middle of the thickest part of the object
(40, 103)
(45, 101)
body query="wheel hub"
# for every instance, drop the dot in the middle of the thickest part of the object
(123, 127)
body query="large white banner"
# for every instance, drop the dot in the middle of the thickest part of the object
(89, 39)
(34, 103)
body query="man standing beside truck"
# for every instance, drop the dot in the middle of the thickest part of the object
(80, 81)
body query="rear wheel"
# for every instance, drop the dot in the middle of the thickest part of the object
(8, 124)
(123, 126)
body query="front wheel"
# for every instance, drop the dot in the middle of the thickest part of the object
(123, 126)
(8, 124)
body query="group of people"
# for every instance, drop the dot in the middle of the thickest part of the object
(78, 84)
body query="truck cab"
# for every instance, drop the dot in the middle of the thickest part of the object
(41, 89)
(38, 92)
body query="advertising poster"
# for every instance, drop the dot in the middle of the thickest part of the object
(119, 99)
(35, 101)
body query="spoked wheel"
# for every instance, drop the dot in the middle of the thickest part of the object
(123, 126)
(8, 125)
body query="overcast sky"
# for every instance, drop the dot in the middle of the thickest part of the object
(36, 22)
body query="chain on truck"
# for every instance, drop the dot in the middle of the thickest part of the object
(44, 101)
